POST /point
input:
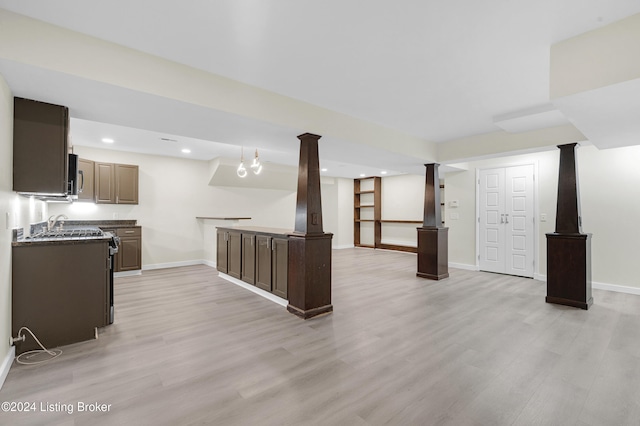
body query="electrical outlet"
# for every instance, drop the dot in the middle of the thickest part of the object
(543, 217)
(8, 222)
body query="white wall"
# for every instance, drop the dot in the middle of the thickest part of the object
(609, 201)
(173, 191)
(16, 212)
(402, 199)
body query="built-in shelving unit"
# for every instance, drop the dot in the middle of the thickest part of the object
(367, 209)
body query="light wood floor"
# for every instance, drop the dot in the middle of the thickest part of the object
(476, 349)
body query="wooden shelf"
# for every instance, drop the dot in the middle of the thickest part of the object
(400, 221)
(365, 220)
(222, 218)
(397, 247)
(365, 245)
(365, 192)
(364, 205)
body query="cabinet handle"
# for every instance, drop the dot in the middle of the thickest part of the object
(506, 218)
(129, 232)
(502, 218)
(81, 174)
(268, 242)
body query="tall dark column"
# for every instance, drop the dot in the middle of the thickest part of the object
(433, 238)
(309, 271)
(568, 249)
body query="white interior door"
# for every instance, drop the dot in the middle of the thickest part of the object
(506, 220)
(492, 229)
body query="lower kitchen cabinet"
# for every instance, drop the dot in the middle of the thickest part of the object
(248, 267)
(260, 258)
(234, 259)
(129, 256)
(280, 266)
(263, 262)
(222, 252)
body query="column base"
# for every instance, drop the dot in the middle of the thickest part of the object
(310, 313)
(433, 253)
(309, 273)
(569, 270)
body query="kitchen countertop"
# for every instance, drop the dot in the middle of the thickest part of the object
(258, 230)
(70, 225)
(114, 223)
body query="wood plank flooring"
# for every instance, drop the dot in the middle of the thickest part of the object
(190, 348)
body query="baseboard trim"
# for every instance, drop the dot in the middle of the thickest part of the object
(210, 263)
(172, 264)
(602, 286)
(272, 297)
(345, 246)
(464, 266)
(6, 364)
(127, 273)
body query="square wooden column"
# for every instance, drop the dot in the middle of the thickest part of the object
(568, 249)
(433, 238)
(309, 288)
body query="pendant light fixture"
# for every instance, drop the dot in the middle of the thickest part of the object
(242, 172)
(256, 166)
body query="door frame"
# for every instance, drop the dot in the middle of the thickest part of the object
(536, 198)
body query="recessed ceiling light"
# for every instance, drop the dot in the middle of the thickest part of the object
(384, 172)
(107, 140)
(186, 150)
(362, 175)
(323, 170)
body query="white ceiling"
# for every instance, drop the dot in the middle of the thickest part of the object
(433, 69)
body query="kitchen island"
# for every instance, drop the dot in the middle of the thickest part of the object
(254, 255)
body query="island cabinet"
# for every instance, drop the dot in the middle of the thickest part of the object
(229, 252)
(248, 266)
(262, 257)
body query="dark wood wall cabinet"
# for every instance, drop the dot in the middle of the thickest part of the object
(60, 291)
(40, 147)
(257, 256)
(116, 183)
(86, 182)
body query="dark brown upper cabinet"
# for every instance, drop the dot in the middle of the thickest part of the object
(105, 183)
(86, 181)
(126, 184)
(40, 147)
(116, 183)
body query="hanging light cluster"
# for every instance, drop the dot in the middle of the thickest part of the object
(256, 166)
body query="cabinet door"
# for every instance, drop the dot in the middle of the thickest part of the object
(85, 175)
(263, 262)
(40, 154)
(129, 252)
(126, 178)
(129, 257)
(105, 183)
(222, 252)
(248, 266)
(235, 254)
(280, 266)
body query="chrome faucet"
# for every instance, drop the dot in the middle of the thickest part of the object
(51, 223)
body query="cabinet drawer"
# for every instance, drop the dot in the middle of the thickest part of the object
(129, 232)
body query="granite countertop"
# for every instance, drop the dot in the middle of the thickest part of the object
(71, 225)
(258, 230)
(114, 223)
